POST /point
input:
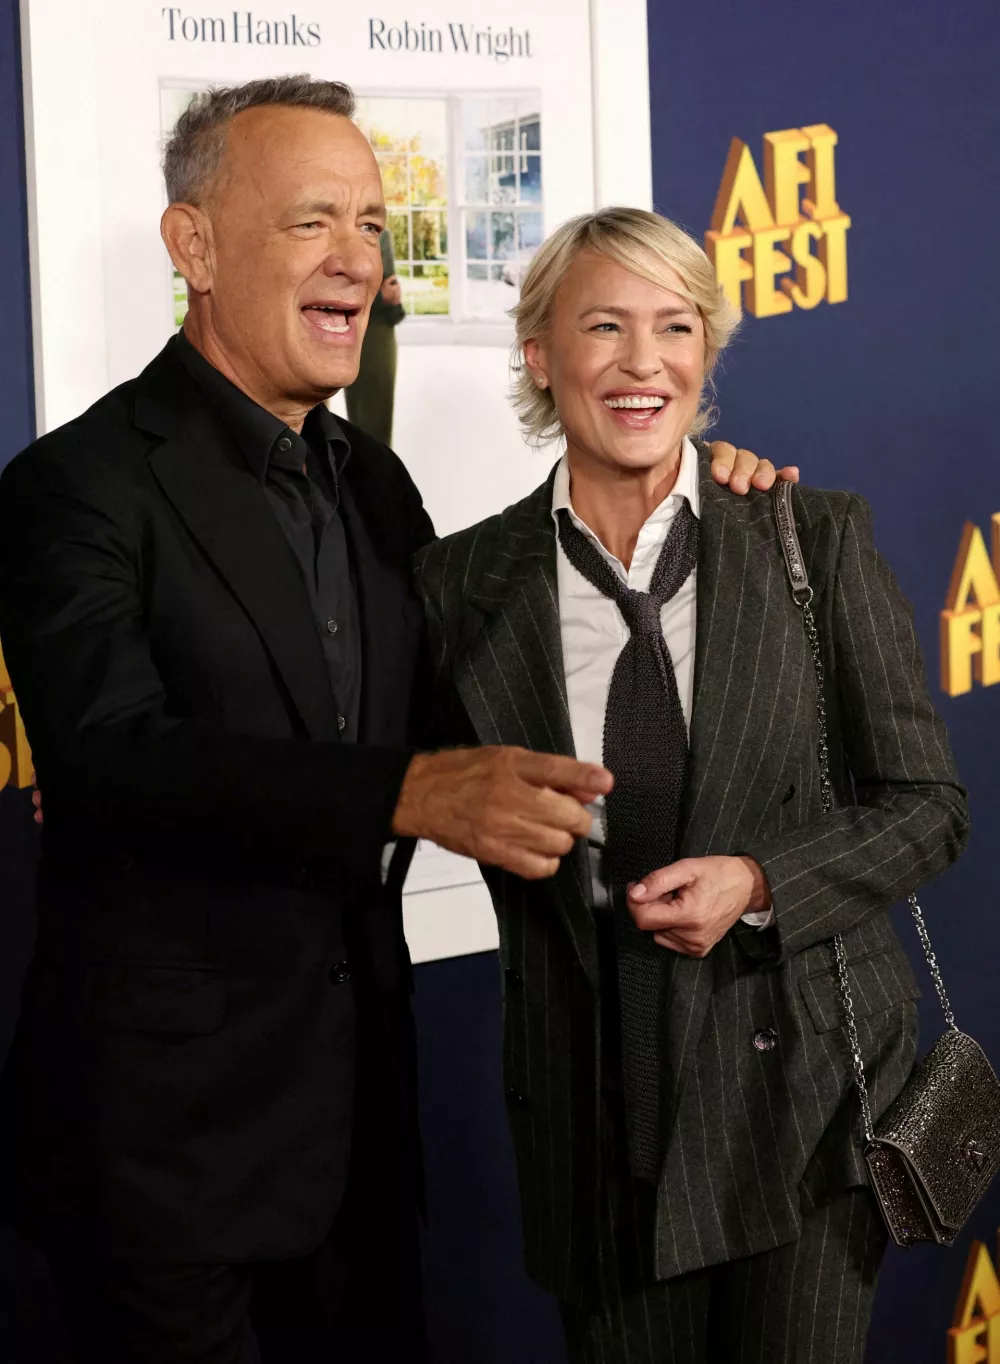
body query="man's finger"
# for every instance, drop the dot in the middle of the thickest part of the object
(538, 836)
(557, 810)
(764, 476)
(723, 459)
(565, 774)
(664, 880)
(530, 866)
(789, 474)
(743, 470)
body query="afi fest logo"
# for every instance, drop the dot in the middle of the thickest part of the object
(970, 622)
(975, 1335)
(781, 244)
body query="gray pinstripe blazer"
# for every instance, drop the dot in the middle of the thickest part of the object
(756, 1137)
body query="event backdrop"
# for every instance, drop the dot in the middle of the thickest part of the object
(838, 164)
(861, 205)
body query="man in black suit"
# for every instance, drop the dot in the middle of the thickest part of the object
(207, 610)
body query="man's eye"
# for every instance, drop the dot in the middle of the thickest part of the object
(302, 226)
(373, 228)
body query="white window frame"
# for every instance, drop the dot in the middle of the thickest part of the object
(459, 328)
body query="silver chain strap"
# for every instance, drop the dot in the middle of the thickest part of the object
(803, 599)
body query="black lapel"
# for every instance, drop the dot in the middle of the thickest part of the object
(511, 678)
(227, 512)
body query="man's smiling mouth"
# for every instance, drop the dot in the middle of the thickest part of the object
(333, 318)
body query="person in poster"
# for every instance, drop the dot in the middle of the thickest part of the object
(370, 398)
(207, 608)
(679, 1090)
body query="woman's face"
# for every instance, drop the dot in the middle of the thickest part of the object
(625, 360)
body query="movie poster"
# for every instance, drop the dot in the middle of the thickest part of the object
(483, 120)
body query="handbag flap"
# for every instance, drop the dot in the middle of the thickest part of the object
(946, 1122)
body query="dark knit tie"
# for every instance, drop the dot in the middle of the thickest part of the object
(646, 749)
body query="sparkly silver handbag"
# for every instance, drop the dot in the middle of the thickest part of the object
(937, 1147)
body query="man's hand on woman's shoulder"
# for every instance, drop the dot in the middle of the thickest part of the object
(739, 470)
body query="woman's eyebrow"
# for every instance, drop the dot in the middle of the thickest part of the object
(672, 311)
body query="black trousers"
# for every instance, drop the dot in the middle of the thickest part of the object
(356, 1298)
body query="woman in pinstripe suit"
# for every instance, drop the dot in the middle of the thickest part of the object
(737, 1225)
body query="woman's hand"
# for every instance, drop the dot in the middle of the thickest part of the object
(741, 469)
(692, 904)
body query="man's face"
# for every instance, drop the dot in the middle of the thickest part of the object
(293, 254)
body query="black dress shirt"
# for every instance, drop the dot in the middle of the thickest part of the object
(300, 476)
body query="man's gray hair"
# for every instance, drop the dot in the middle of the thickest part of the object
(194, 152)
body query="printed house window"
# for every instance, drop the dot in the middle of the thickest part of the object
(463, 187)
(501, 199)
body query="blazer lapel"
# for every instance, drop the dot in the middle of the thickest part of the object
(227, 512)
(511, 679)
(731, 629)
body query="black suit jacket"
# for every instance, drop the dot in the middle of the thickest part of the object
(757, 1135)
(184, 1065)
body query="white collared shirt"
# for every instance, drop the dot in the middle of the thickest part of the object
(594, 632)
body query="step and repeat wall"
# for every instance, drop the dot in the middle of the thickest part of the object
(839, 166)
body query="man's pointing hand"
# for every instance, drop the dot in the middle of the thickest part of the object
(507, 807)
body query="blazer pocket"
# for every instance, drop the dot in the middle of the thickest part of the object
(171, 1000)
(877, 983)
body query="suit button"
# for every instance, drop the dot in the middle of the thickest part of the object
(765, 1039)
(341, 723)
(516, 1099)
(340, 973)
(331, 626)
(284, 443)
(512, 978)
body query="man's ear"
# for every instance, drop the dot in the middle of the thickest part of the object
(536, 361)
(187, 235)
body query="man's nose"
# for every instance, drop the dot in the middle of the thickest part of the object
(352, 258)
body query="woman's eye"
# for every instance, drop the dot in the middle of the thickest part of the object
(605, 327)
(684, 328)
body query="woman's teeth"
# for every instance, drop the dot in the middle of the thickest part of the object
(635, 400)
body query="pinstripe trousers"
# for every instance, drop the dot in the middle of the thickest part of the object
(805, 1303)
(808, 1302)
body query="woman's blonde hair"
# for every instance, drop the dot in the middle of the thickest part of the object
(642, 242)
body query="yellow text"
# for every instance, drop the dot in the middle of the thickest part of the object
(781, 243)
(970, 622)
(975, 1334)
(15, 755)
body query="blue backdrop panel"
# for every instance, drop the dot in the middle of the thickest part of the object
(892, 394)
